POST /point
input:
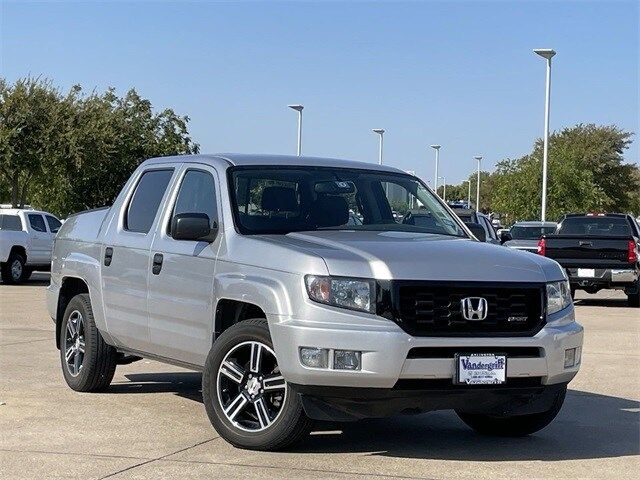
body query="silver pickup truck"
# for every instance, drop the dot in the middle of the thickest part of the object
(247, 268)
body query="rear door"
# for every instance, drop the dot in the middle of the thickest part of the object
(40, 249)
(53, 225)
(125, 259)
(181, 291)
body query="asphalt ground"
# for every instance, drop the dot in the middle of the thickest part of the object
(151, 423)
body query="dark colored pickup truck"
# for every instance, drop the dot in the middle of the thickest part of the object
(598, 251)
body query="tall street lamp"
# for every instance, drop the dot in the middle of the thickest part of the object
(435, 181)
(469, 197)
(299, 109)
(444, 188)
(379, 131)
(478, 158)
(546, 53)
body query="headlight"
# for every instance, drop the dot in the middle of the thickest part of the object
(352, 293)
(558, 296)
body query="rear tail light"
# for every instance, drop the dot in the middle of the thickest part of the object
(632, 253)
(542, 246)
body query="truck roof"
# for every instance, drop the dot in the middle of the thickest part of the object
(16, 211)
(596, 215)
(223, 160)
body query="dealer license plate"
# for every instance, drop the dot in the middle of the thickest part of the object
(481, 369)
(587, 272)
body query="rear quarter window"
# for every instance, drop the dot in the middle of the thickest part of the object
(10, 223)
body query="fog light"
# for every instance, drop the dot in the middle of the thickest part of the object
(346, 360)
(578, 355)
(314, 357)
(569, 358)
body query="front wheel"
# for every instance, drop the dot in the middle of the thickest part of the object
(247, 400)
(513, 425)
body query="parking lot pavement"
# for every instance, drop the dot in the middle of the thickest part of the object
(151, 423)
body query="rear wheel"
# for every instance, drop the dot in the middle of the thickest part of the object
(513, 425)
(88, 363)
(13, 270)
(247, 400)
(633, 299)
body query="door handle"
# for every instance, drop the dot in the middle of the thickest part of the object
(108, 256)
(157, 263)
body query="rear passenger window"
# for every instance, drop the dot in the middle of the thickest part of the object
(37, 222)
(54, 223)
(197, 195)
(146, 200)
(10, 223)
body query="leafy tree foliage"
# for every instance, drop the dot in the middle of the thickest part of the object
(66, 153)
(587, 172)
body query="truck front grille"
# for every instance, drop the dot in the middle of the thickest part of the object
(434, 309)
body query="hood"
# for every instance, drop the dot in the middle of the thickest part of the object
(417, 256)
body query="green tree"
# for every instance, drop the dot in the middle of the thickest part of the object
(29, 117)
(587, 172)
(91, 146)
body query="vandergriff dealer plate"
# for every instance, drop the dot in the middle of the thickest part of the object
(481, 369)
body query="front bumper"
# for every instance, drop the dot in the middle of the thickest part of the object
(342, 404)
(385, 351)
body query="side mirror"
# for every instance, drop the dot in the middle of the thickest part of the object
(505, 236)
(477, 230)
(193, 226)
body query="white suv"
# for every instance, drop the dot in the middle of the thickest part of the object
(26, 242)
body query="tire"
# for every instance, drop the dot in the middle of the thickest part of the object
(513, 425)
(27, 274)
(573, 293)
(633, 299)
(258, 423)
(90, 370)
(13, 270)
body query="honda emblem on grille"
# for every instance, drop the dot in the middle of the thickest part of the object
(474, 308)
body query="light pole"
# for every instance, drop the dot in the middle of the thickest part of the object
(379, 131)
(299, 109)
(435, 181)
(469, 197)
(444, 188)
(478, 158)
(546, 53)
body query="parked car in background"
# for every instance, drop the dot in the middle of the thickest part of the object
(26, 242)
(598, 251)
(246, 267)
(525, 235)
(472, 217)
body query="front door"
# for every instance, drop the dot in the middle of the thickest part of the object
(181, 290)
(125, 260)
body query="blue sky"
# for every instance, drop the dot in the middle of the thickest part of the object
(461, 74)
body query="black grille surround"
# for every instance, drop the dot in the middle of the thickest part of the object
(432, 309)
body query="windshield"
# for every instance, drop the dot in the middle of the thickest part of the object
(280, 200)
(614, 226)
(529, 233)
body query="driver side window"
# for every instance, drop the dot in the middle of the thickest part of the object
(197, 194)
